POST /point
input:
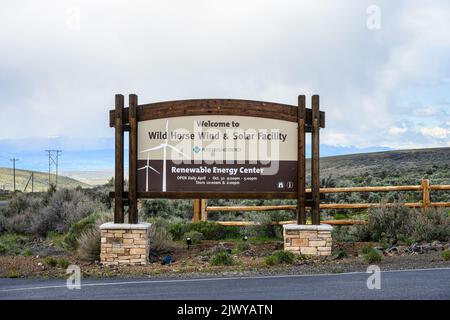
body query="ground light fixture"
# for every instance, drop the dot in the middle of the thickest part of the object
(245, 238)
(188, 242)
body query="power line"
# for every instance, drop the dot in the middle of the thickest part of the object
(14, 160)
(53, 158)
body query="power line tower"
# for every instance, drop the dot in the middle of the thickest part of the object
(53, 157)
(14, 160)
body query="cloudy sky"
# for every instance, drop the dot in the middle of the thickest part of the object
(382, 68)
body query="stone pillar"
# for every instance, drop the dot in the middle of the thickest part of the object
(124, 244)
(313, 240)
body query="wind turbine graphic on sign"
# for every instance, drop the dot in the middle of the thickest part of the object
(146, 167)
(164, 147)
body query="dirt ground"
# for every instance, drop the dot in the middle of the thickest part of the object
(195, 262)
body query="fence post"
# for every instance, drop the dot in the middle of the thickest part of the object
(118, 175)
(315, 179)
(197, 208)
(203, 213)
(301, 160)
(425, 193)
(132, 163)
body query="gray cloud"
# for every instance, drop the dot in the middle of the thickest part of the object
(60, 81)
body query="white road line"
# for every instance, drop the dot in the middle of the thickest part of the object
(213, 279)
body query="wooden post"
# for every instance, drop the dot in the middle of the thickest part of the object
(315, 177)
(425, 193)
(301, 163)
(118, 178)
(197, 207)
(203, 213)
(132, 171)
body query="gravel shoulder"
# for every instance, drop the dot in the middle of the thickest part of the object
(194, 263)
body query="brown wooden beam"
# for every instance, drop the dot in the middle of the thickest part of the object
(301, 161)
(118, 177)
(132, 171)
(425, 193)
(237, 107)
(197, 209)
(369, 189)
(315, 176)
(279, 223)
(216, 195)
(203, 212)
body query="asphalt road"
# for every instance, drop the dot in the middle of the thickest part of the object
(408, 284)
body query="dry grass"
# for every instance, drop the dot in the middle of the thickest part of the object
(40, 180)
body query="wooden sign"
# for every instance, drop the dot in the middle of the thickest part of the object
(216, 148)
(217, 153)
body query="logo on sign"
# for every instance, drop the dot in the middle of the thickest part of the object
(196, 149)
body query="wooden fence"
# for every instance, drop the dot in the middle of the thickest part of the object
(201, 208)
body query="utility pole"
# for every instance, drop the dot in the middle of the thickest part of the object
(53, 158)
(31, 178)
(14, 160)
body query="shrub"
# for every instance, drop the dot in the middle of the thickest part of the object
(446, 255)
(86, 235)
(210, 230)
(13, 274)
(371, 255)
(57, 239)
(391, 222)
(218, 249)
(399, 223)
(221, 259)
(160, 238)
(264, 228)
(70, 241)
(52, 262)
(14, 244)
(88, 245)
(177, 230)
(339, 254)
(360, 232)
(167, 208)
(17, 215)
(279, 257)
(366, 249)
(342, 234)
(195, 236)
(271, 260)
(243, 246)
(40, 214)
(77, 228)
(63, 208)
(433, 224)
(27, 252)
(63, 263)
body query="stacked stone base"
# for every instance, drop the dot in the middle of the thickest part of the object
(312, 240)
(124, 244)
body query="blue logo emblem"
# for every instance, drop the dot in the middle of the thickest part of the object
(196, 149)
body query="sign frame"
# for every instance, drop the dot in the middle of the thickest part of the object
(126, 119)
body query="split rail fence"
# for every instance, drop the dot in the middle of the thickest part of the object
(201, 207)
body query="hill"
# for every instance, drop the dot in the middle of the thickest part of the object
(365, 169)
(388, 167)
(40, 180)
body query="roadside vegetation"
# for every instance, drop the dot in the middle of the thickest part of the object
(63, 225)
(399, 224)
